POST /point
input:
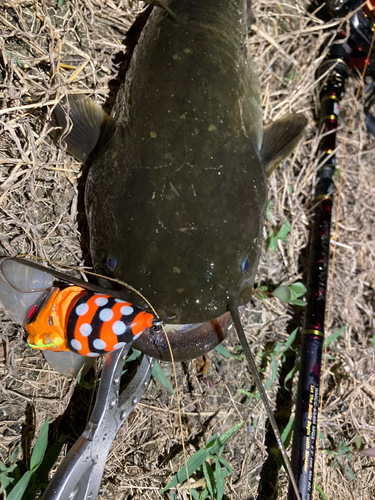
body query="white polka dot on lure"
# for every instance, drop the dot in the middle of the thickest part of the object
(76, 344)
(106, 315)
(119, 345)
(82, 309)
(120, 301)
(85, 329)
(99, 344)
(118, 327)
(126, 310)
(92, 354)
(101, 301)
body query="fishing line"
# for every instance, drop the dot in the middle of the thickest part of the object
(336, 233)
(126, 285)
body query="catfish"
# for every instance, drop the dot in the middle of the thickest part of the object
(176, 191)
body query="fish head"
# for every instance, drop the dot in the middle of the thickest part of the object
(186, 285)
(187, 255)
(189, 281)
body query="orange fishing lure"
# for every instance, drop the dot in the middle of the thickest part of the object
(88, 323)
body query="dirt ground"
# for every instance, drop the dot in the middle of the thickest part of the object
(50, 48)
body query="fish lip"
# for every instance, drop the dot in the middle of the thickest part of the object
(187, 341)
(170, 328)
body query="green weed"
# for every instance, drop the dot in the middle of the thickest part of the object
(224, 352)
(321, 492)
(340, 458)
(335, 335)
(268, 210)
(278, 234)
(26, 486)
(209, 462)
(277, 354)
(289, 294)
(157, 371)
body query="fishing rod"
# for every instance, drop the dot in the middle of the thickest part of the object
(307, 408)
(347, 52)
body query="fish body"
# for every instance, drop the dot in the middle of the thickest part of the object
(176, 191)
(176, 198)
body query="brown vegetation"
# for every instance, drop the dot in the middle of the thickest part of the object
(48, 51)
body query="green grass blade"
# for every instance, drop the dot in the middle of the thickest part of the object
(193, 464)
(281, 235)
(291, 373)
(227, 435)
(272, 379)
(14, 454)
(335, 335)
(134, 355)
(211, 442)
(349, 473)
(289, 342)
(85, 385)
(287, 433)
(205, 494)
(160, 376)
(5, 480)
(194, 494)
(39, 448)
(210, 479)
(321, 492)
(49, 459)
(272, 243)
(213, 446)
(20, 488)
(224, 352)
(228, 468)
(219, 478)
(246, 393)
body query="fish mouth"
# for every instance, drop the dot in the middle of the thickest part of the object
(187, 341)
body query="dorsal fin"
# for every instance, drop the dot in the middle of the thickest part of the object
(280, 138)
(88, 122)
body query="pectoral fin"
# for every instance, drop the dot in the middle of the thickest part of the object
(163, 5)
(280, 138)
(88, 121)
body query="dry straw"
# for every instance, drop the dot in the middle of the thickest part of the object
(47, 51)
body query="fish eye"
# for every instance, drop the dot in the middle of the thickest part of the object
(111, 263)
(245, 265)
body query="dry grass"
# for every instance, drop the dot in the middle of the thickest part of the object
(48, 51)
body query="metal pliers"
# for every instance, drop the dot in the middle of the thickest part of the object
(79, 475)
